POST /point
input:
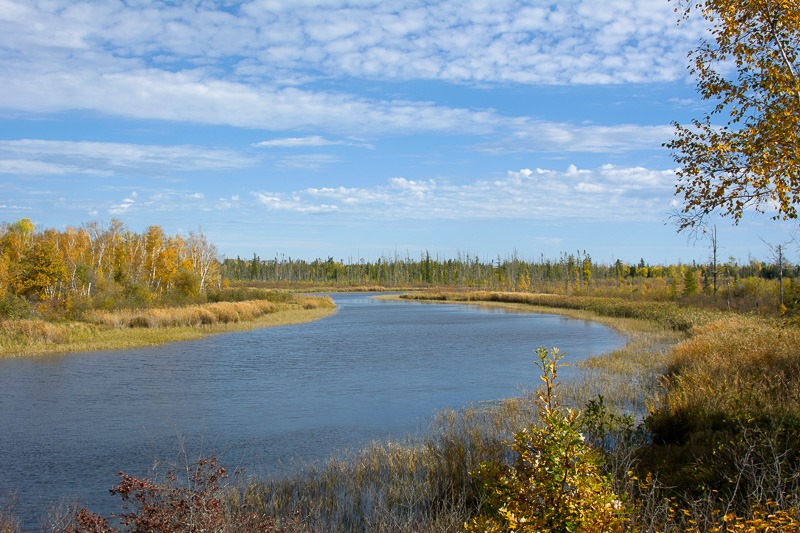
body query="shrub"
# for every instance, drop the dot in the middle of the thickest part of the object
(12, 306)
(556, 482)
(186, 286)
(241, 294)
(203, 503)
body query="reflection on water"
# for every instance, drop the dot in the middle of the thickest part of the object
(263, 400)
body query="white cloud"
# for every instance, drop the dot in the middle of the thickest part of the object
(209, 64)
(227, 203)
(25, 167)
(307, 161)
(124, 206)
(188, 96)
(310, 141)
(607, 193)
(292, 202)
(32, 156)
(533, 136)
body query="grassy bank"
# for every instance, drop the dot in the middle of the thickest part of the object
(126, 328)
(666, 315)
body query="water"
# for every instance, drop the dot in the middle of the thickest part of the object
(264, 400)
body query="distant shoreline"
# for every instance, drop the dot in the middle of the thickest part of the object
(23, 338)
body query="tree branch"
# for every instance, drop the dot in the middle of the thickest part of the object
(773, 30)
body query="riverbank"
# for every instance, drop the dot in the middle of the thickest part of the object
(126, 329)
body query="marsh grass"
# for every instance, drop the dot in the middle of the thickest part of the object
(728, 417)
(422, 484)
(124, 329)
(751, 364)
(669, 315)
(193, 315)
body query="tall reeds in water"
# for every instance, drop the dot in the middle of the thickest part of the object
(421, 484)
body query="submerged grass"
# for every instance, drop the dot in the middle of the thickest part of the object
(124, 329)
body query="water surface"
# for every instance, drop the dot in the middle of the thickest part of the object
(263, 400)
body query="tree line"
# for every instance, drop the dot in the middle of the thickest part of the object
(570, 273)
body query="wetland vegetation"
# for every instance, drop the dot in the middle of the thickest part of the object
(692, 426)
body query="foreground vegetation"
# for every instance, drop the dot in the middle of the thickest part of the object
(693, 426)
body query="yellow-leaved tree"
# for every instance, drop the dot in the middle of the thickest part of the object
(745, 152)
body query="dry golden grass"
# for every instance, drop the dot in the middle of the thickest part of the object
(737, 364)
(105, 330)
(193, 315)
(669, 315)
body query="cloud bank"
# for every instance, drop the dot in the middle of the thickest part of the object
(265, 64)
(608, 193)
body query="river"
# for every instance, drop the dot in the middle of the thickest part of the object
(265, 400)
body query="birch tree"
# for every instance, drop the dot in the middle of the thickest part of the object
(203, 256)
(745, 152)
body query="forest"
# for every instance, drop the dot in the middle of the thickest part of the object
(755, 285)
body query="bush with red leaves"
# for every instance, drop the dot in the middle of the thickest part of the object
(170, 507)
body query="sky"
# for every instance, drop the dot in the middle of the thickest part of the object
(359, 129)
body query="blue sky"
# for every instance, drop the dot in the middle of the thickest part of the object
(357, 129)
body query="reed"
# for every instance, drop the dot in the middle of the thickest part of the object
(728, 417)
(422, 484)
(125, 328)
(668, 315)
(193, 315)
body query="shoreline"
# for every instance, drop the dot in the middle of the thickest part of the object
(39, 337)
